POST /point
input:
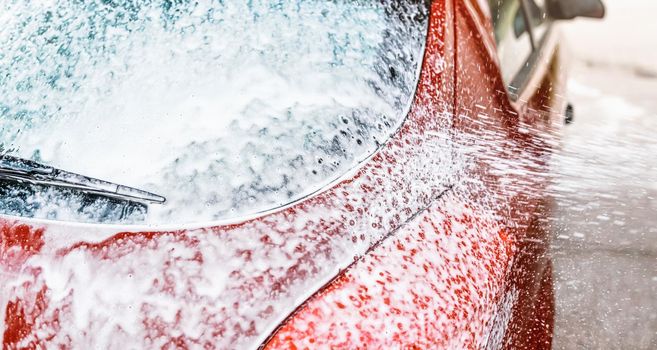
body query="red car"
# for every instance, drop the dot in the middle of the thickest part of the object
(336, 174)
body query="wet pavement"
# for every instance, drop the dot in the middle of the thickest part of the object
(605, 221)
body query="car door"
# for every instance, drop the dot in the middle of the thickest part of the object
(508, 105)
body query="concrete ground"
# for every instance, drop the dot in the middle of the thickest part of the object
(605, 222)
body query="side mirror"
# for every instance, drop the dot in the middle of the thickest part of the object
(569, 9)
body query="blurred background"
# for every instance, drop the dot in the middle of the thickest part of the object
(605, 221)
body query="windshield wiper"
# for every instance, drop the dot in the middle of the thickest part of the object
(21, 170)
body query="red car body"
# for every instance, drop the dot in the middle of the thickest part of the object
(435, 241)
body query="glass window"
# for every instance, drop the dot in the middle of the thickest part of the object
(225, 108)
(513, 41)
(537, 13)
(538, 17)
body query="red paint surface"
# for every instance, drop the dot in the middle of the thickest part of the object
(436, 284)
(18, 242)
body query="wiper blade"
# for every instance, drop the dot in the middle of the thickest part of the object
(27, 171)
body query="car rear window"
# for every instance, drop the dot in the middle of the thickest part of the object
(224, 107)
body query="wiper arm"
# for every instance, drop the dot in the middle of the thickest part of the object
(26, 171)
